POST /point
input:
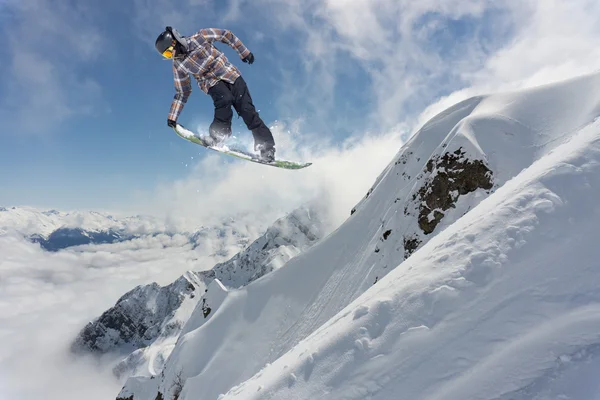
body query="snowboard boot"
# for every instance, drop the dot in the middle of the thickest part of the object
(216, 140)
(217, 134)
(267, 153)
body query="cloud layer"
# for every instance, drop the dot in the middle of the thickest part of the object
(46, 298)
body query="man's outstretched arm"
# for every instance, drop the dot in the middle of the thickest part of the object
(183, 89)
(227, 37)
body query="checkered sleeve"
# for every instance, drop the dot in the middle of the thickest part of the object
(227, 37)
(183, 89)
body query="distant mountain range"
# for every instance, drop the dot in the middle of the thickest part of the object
(63, 238)
(58, 230)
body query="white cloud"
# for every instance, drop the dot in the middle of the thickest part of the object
(47, 298)
(558, 40)
(554, 40)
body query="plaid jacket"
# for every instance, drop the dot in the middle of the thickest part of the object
(205, 63)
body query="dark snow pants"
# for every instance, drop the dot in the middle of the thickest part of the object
(225, 95)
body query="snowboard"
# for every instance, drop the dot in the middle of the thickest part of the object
(190, 136)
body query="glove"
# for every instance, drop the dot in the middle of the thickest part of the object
(171, 123)
(249, 58)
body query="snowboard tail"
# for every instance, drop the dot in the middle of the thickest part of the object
(238, 153)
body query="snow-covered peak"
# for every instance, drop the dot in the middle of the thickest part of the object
(479, 150)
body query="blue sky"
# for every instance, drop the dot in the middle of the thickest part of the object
(84, 96)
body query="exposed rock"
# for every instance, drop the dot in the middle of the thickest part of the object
(452, 176)
(404, 158)
(410, 245)
(137, 318)
(177, 387)
(205, 308)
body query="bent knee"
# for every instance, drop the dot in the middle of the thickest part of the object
(224, 100)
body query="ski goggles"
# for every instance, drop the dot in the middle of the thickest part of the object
(168, 53)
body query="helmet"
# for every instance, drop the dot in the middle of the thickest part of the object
(165, 44)
(170, 42)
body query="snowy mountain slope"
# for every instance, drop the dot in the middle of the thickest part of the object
(145, 322)
(504, 304)
(447, 168)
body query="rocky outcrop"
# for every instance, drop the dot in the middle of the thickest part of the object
(433, 187)
(138, 317)
(411, 244)
(454, 176)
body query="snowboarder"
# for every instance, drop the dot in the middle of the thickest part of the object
(217, 77)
